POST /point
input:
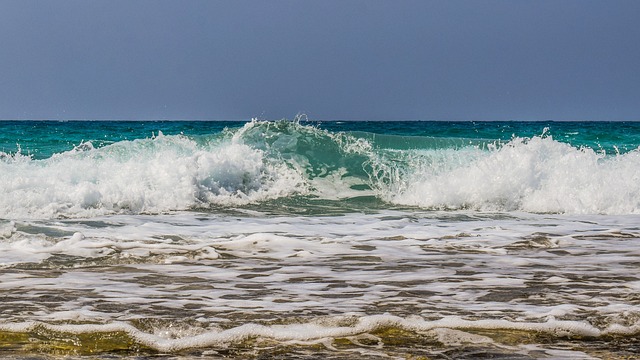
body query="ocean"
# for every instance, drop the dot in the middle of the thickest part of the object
(319, 240)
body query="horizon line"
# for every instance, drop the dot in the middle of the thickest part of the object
(317, 120)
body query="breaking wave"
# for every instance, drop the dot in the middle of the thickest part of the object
(264, 161)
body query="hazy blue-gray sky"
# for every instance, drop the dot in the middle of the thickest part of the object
(332, 59)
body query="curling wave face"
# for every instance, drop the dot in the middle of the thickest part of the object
(538, 175)
(280, 161)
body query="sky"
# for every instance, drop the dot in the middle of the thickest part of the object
(329, 59)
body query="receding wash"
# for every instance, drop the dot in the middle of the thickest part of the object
(318, 239)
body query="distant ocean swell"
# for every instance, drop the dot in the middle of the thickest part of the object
(278, 161)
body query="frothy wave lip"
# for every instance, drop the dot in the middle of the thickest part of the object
(155, 175)
(538, 175)
(263, 161)
(319, 331)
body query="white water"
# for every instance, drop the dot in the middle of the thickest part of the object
(538, 175)
(319, 332)
(456, 258)
(172, 173)
(142, 176)
(534, 236)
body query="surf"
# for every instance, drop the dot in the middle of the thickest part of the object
(286, 162)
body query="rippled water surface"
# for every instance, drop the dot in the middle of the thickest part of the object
(392, 283)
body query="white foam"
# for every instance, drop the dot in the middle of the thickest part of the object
(451, 337)
(446, 330)
(322, 278)
(7, 229)
(535, 175)
(151, 175)
(265, 161)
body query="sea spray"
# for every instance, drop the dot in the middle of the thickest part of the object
(287, 161)
(160, 174)
(535, 175)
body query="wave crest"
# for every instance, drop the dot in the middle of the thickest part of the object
(534, 175)
(158, 174)
(264, 161)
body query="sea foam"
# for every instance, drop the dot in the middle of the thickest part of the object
(538, 175)
(318, 332)
(154, 175)
(263, 161)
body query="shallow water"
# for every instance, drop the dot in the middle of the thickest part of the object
(422, 283)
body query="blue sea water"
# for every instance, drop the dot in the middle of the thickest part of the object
(319, 239)
(42, 139)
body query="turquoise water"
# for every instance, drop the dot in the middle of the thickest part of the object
(42, 139)
(255, 239)
(539, 167)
